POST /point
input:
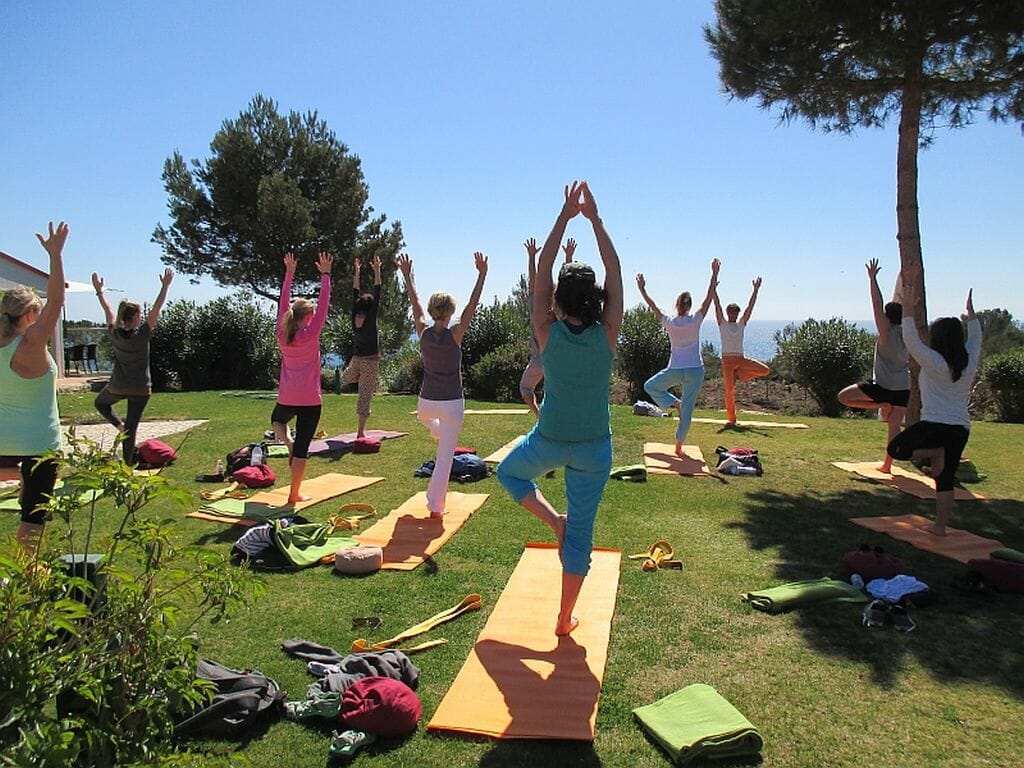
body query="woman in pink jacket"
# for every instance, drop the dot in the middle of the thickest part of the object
(298, 335)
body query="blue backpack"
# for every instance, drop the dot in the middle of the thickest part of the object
(466, 468)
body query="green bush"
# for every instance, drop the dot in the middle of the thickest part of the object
(642, 351)
(402, 371)
(492, 327)
(1004, 375)
(824, 356)
(92, 674)
(712, 361)
(496, 376)
(229, 343)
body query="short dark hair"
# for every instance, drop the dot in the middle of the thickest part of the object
(363, 303)
(894, 311)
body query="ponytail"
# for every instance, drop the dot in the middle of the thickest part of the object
(300, 310)
(15, 303)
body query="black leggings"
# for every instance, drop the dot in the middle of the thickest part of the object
(951, 438)
(136, 405)
(306, 418)
(37, 482)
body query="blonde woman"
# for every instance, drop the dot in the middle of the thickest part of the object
(298, 397)
(28, 388)
(441, 404)
(129, 341)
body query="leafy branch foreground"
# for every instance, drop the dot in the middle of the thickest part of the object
(96, 660)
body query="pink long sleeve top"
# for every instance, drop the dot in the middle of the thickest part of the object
(300, 360)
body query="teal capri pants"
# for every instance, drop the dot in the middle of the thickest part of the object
(587, 465)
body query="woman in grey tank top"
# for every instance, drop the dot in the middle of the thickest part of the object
(889, 388)
(441, 405)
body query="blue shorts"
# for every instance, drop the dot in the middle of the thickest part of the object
(586, 464)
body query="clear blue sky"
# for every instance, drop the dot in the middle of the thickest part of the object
(469, 118)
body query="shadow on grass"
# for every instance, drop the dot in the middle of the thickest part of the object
(962, 636)
(530, 753)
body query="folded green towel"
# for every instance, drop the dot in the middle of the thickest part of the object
(247, 509)
(698, 722)
(785, 597)
(634, 473)
(1013, 555)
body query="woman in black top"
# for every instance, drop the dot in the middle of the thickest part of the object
(364, 367)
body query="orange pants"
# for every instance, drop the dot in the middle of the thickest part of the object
(737, 367)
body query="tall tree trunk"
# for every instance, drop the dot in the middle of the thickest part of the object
(907, 224)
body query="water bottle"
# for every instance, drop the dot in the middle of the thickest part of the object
(257, 456)
(857, 581)
(219, 470)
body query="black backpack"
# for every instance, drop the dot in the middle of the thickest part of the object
(242, 457)
(245, 699)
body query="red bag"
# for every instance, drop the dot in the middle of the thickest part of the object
(381, 706)
(1003, 575)
(155, 453)
(872, 565)
(365, 445)
(255, 476)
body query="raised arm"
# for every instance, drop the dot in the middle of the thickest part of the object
(356, 267)
(750, 304)
(877, 305)
(97, 284)
(611, 317)
(569, 248)
(531, 263)
(459, 329)
(404, 264)
(284, 303)
(165, 283)
(973, 331)
(719, 315)
(39, 332)
(324, 262)
(712, 286)
(375, 266)
(541, 315)
(641, 283)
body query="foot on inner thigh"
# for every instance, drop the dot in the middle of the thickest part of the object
(564, 629)
(559, 529)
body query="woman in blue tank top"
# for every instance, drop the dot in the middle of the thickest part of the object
(574, 429)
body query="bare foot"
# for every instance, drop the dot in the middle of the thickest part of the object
(679, 449)
(437, 514)
(935, 528)
(561, 630)
(730, 425)
(886, 468)
(297, 499)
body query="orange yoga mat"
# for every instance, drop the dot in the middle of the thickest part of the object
(318, 489)
(754, 424)
(914, 483)
(661, 459)
(520, 680)
(956, 544)
(409, 535)
(499, 455)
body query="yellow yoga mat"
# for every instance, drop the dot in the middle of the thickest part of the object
(318, 489)
(491, 411)
(956, 544)
(661, 459)
(520, 681)
(409, 535)
(499, 455)
(754, 424)
(914, 483)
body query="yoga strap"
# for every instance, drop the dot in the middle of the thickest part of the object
(342, 522)
(658, 555)
(232, 491)
(470, 603)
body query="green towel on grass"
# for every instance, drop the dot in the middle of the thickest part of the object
(247, 509)
(277, 451)
(1013, 555)
(306, 543)
(697, 722)
(9, 501)
(795, 594)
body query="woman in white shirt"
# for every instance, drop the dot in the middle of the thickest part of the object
(685, 367)
(948, 365)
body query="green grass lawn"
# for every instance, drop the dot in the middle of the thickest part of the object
(822, 689)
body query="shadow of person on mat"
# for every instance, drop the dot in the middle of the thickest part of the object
(412, 537)
(545, 691)
(956, 638)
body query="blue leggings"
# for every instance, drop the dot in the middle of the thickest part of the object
(688, 380)
(587, 465)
